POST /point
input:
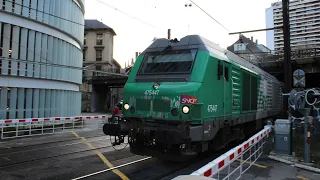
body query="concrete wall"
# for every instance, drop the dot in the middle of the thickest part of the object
(34, 47)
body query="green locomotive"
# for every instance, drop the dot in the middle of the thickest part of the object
(189, 96)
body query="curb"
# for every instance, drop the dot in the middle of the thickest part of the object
(309, 168)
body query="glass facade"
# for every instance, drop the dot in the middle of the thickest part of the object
(41, 57)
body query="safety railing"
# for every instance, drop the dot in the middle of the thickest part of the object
(235, 162)
(16, 128)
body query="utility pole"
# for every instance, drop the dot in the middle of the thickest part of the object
(287, 62)
(286, 48)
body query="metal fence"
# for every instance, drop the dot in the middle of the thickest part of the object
(238, 160)
(16, 128)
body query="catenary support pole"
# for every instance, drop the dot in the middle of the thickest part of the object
(286, 47)
(287, 59)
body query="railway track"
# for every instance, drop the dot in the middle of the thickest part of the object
(54, 156)
(72, 138)
(65, 167)
(53, 146)
(16, 156)
(153, 169)
(110, 169)
(135, 167)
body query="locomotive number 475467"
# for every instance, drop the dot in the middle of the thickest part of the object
(151, 92)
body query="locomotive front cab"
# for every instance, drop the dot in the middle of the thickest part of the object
(161, 100)
(161, 88)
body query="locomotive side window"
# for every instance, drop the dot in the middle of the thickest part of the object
(220, 69)
(226, 73)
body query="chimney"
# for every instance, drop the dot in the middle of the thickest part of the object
(169, 34)
(132, 61)
(252, 38)
(257, 41)
(125, 64)
(137, 54)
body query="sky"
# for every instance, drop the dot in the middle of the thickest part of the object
(138, 22)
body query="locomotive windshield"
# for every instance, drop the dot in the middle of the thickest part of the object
(176, 61)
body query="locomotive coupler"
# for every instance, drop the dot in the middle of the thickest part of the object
(117, 126)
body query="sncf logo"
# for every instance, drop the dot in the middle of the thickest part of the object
(188, 99)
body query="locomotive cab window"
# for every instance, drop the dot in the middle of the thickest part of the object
(172, 61)
(220, 69)
(226, 73)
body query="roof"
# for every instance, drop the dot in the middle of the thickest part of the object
(200, 43)
(93, 24)
(251, 46)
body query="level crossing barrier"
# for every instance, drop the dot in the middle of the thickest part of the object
(16, 128)
(235, 162)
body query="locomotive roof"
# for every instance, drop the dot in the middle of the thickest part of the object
(201, 43)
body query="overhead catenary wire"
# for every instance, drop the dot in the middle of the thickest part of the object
(15, 3)
(56, 65)
(117, 9)
(221, 25)
(102, 2)
(209, 15)
(42, 58)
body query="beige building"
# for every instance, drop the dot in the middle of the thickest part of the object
(98, 46)
(98, 55)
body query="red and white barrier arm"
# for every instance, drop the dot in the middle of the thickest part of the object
(52, 119)
(215, 166)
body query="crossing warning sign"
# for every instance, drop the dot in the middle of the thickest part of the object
(299, 79)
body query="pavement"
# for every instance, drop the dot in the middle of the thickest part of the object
(263, 169)
(267, 169)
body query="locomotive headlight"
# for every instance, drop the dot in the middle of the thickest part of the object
(126, 106)
(185, 109)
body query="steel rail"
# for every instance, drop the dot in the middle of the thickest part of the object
(110, 169)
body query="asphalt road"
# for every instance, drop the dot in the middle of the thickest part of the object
(62, 156)
(68, 156)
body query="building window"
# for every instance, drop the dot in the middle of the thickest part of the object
(99, 39)
(98, 55)
(84, 54)
(239, 47)
(98, 68)
(84, 39)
